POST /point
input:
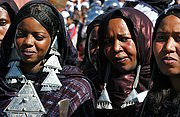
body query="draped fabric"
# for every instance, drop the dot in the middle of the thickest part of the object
(10, 6)
(75, 85)
(120, 84)
(162, 100)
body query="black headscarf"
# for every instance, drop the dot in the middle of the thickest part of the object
(141, 28)
(48, 16)
(160, 80)
(94, 23)
(10, 6)
(162, 100)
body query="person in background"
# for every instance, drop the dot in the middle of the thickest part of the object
(72, 30)
(125, 43)
(72, 51)
(177, 2)
(90, 61)
(8, 10)
(163, 100)
(144, 7)
(33, 72)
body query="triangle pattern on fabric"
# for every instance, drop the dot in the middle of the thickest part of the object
(26, 102)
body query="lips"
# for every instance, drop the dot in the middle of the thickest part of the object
(169, 60)
(121, 59)
(28, 52)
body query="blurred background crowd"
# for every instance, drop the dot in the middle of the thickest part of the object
(78, 14)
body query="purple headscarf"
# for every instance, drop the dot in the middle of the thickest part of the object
(141, 28)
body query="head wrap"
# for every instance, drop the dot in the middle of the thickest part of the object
(160, 80)
(42, 14)
(141, 28)
(46, 14)
(94, 23)
(10, 6)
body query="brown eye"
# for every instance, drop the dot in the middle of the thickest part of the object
(124, 39)
(177, 38)
(160, 38)
(38, 37)
(20, 34)
(3, 22)
(108, 41)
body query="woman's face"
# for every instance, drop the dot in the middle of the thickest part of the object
(166, 46)
(93, 37)
(120, 49)
(32, 40)
(4, 22)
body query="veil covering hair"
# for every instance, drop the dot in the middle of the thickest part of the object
(71, 78)
(119, 85)
(10, 6)
(46, 19)
(162, 100)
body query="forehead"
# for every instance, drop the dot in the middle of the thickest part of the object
(117, 22)
(169, 22)
(117, 25)
(3, 11)
(30, 24)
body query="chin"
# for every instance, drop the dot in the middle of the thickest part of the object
(171, 73)
(125, 69)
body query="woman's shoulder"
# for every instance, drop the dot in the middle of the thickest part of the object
(75, 84)
(73, 77)
(70, 69)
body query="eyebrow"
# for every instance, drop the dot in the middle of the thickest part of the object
(124, 35)
(161, 32)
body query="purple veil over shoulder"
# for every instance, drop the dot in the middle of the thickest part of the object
(141, 28)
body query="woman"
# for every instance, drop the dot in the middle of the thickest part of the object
(124, 54)
(163, 99)
(8, 10)
(90, 62)
(37, 80)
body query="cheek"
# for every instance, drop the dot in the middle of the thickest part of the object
(157, 48)
(107, 52)
(130, 49)
(44, 46)
(3, 30)
(18, 43)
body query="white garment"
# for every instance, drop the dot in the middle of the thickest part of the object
(148, 10)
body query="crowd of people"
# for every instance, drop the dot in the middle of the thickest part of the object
(94, 58)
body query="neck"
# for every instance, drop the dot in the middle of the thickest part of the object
(32, 67)
(175, 83)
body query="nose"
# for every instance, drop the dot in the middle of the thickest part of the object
(29, 40)
(118, 46)
(170, 45)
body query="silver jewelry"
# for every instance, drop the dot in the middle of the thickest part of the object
(26, 103)
(52, 66)
(14, 74)
(104, 101)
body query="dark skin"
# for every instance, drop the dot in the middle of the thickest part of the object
(120, 48)
(166, 48)
(4, 22)
(94, 43)
(32, 43)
